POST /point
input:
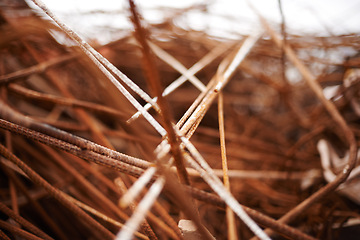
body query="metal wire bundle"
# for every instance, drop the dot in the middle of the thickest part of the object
(166, 124)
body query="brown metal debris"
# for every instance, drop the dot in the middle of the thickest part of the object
(73, 147)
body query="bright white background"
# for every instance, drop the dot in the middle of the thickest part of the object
(102, 19)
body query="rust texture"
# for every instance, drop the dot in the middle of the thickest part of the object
(72, 145)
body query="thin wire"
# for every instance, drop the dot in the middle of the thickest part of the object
(98, 60)
(220, 81)
(137, 217)
(101, 62)
(177, 65)
(56, 193)
(137, 187)
(219, 188)
(196, 193)
(229, 213)
(208, 58)
(335, 115)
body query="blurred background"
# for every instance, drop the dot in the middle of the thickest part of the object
(104, 20)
